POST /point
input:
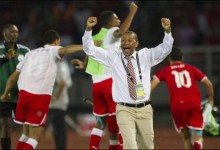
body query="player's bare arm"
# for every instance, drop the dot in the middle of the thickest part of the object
(69, 50)
(166, 24)
(154, 84)
(127, 23)
(210, 91)
(12, 80)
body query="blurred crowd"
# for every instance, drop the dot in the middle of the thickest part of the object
(193, 22)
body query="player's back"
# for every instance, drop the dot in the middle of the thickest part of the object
(181, 82)
(38, 70)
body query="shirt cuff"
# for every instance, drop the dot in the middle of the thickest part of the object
(88, 32)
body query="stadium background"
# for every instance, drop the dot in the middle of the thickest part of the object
(195, 28)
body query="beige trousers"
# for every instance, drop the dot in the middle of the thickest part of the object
(136, 126)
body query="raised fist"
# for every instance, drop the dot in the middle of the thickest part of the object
(91, 22)
(166, 24)
(133, 7)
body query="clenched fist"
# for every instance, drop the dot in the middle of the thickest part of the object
(91, 22)
(166, 24)
(133, 7)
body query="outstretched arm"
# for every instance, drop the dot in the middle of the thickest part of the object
(69, 50)
(210, 91)
(127, 22)
(154, 84)
(12, 80)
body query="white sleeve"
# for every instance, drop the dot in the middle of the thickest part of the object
(111, 33)
(21, 63)
(55, 53)
(97, 53)
(160, 52)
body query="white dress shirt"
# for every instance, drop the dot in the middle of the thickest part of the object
(147, 57)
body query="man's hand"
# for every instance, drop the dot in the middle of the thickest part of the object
(166, 24)
(78, 63)
(5, 97)
(98, 43)
(91, 22)
(133, 7)
(10, 54)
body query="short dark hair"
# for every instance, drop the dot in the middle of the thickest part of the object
(50, 36)
(132, 32)
(176, 54)
(105, 17)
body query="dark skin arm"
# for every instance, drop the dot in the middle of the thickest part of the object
(127, 22)
(12, 80)
(210, 91)
(72, 49)
(80, 64)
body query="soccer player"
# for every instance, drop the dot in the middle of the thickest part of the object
(185, 97)
(36, 76)
(11, 53)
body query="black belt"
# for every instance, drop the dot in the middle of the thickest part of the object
(138, 105)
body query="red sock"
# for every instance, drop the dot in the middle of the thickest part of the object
(27, 146)
(95, 138)
(19, 145)
(197, 145)
(22, 140)
(30, 144)
(114, 145)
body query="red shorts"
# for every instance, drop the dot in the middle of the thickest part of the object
(187, 115)
(103, 103)
(32, 109)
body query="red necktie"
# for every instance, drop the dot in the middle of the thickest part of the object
(131, 80)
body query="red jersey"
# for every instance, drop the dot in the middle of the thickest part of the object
(181, 80)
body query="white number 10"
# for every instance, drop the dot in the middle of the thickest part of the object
(179, 79)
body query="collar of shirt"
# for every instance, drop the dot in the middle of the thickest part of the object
(132, 56)
(7, 48)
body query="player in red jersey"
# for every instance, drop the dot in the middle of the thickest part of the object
(185, 97)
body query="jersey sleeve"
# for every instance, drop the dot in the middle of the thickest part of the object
(160, 75)
(20, 64)
(55, 54)
(111, 32)
(199, 75)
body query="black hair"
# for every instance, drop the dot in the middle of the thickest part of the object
(176, 54)
(105, 17)
(132, 32)
(50, 36)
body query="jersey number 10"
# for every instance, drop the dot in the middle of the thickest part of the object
(182, 78)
